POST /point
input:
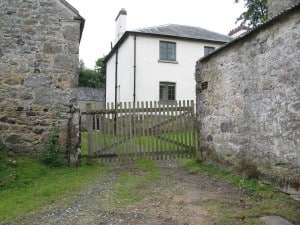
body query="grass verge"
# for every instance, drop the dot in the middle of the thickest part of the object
(26, 184)
(260, 199)
(132, 185)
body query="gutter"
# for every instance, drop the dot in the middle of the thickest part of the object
(134, 70)
(116, 78)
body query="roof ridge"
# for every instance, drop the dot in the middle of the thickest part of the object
(151, 27)
(181, 25)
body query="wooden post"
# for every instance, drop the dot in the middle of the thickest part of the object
(148, 131)
(172, 130)
(143, 149)
(189, 128)
(194, 130)
(89, 122)
(151, 126)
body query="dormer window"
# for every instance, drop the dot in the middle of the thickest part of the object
(208, 50)
(167, 51)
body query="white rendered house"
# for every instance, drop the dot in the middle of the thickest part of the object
(156, 63)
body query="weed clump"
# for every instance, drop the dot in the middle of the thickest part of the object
(2, 157)
(52, 150)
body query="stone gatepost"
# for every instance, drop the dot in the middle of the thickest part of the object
(74, 152)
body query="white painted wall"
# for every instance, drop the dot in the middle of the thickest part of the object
(125, 73)
(110, 80)
(149, 71)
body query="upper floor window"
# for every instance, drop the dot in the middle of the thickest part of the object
(208, 50)
(167, 91)
(167, 51)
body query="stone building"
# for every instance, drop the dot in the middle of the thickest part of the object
(248, 101)
(39, 44)
(93, 96)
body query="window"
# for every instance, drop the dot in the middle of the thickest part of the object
(167, 91)
(167, 51)
(208, 50)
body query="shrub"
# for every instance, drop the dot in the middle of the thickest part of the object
(51, 153)
(2, 156)
(2, 147)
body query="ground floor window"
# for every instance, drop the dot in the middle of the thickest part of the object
(167, 91)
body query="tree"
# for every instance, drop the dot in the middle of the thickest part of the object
(92, 78)
(256, 13)
(101, 69)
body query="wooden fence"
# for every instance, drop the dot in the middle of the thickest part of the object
(143, 129)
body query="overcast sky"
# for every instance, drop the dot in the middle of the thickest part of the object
(99, 30)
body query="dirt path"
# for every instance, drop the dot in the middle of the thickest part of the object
(176, 198)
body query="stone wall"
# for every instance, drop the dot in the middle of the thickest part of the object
(39, 43)
(248, 103)
(277, 6)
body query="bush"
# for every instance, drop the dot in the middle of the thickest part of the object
(2, 147)
(2, 156)
(51, 153)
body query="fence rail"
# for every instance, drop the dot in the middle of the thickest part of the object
(141, 129)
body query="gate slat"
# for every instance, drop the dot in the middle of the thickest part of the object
(188, 133)
(89, 121)
(148, 136)
(127, 132)
(119, 132)
(165, 132)
(178, 124)
(159, 127)
(194, 130)
(142, 130)
(185, 131)
(172, 131)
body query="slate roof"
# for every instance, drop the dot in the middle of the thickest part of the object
(174, 31)
(90, 94)
(183, 31)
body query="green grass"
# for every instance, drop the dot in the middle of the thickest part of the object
(132, 185)
(84, 143)
(259, 201)
(28, 184)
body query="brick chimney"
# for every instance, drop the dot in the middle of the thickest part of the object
(277, 6)
(120, 20)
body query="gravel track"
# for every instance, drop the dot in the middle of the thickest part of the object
(175, 199)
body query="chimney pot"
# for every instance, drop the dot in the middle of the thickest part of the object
(121, 12)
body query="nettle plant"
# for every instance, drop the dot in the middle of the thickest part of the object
(52, 150)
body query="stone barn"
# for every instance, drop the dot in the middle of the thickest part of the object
(93, 96)
(39, 46)
(248, 101)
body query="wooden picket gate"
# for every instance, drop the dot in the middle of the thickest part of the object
(142, 129)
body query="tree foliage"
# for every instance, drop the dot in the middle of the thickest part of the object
(256, 13)
(92, 78)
